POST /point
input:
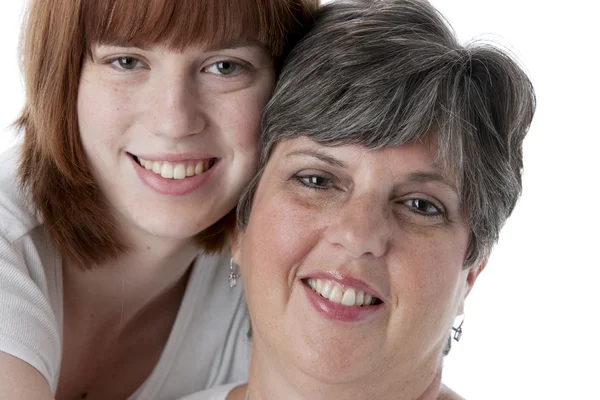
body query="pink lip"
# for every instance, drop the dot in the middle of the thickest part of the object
(338, 312)
(345, 282)
(173, 187)
(173, 158)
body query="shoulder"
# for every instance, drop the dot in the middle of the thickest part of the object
(26, 250)
(29, 280)
(17, 216)
(212, 326)
(27, 255)
(29, 310)
(448, 394)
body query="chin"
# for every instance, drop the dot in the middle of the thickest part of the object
(173, 227)
(335, 360)
(340, 370)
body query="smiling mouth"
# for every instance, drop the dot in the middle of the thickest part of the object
(337, 294)
(179, 170)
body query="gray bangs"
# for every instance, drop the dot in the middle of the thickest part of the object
(371, 85)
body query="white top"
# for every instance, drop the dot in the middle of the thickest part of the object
(208, 345)
(216, 393)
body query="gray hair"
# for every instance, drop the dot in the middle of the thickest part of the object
(389, 72)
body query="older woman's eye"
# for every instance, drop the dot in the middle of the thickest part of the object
(315, 181)
(423, 207)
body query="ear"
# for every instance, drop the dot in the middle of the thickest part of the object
(237, 238)
(472, 275)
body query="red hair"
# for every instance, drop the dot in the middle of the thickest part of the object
(57, 38)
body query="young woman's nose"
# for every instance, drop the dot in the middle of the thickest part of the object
(176, 107)
(362, 227)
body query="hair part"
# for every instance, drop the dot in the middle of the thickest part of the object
(385, 73)
(57, 38)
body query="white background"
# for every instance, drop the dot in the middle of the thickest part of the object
(531, 329)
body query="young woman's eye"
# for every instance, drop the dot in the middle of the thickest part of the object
(315, 181)
(126, 63)
(423, 207)
(226, 68)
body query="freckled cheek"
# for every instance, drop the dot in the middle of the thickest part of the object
(103, 114)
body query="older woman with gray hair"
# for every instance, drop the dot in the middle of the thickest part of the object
(391, 158)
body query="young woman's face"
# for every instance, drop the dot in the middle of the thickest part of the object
(171, 137)
(353, 261)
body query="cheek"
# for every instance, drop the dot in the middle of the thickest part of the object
(427, 276)
(101, 113)
(277, 240)
(279, 235)
(243, 115)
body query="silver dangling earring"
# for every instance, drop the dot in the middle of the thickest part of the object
(458, 330)
(233, 276)
(456, 335)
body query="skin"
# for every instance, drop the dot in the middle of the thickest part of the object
(353, 212)
(149, 101)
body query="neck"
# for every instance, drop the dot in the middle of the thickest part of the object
(269, 381)
(121, 288)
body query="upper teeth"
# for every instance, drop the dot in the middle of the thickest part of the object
(175, 171)
(337, 294)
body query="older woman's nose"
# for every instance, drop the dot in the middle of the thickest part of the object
(176, 108)
(362, 228)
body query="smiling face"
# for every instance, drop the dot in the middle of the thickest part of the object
(353, 262)
(171, 137)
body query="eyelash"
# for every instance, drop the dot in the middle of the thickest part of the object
(112, 62)
(238, 66)
(440, 212)
(301, 180)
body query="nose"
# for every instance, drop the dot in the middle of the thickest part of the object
(362, 228)
(176, 110)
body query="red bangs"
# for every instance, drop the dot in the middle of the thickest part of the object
(181, 23)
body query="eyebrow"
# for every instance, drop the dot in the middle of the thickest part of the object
(418, 177)
(236, 44)
(122, 42)
(425, 177)
(112, 45)
(326, 158)
(231, 44)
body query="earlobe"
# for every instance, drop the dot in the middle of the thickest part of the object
(472, 275)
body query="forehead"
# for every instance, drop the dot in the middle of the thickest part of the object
(179, 24)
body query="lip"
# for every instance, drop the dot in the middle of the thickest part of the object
(173, 158)
(345, 281)
(172, 187)
(337, 312)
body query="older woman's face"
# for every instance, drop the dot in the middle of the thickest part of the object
(353, 260)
